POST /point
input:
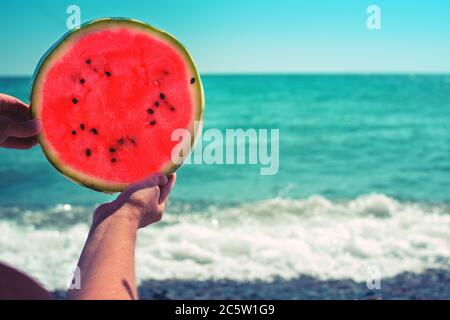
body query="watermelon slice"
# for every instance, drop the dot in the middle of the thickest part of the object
(109, 95)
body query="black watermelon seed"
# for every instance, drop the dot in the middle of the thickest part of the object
(192, 80)
(94, 131)
(132, 140)
(82, 126)
(150, 111)
(108, 74)
(152, 122)
(156, 104)
(75, 100)
(74, 132)
(121, 141)
(172, 108)
(165, 72)
(88, 152)
(113, 160)
(162, 96)
(112, 149)
(82, 81)
(88, 61)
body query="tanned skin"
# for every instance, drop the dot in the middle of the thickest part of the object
(107, 262)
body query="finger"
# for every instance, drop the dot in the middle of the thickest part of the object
(152, 181)
(14, 107)
(161, 210)
(19, 143)
(165, 189)
(4, 129)
(158, 179)
(25, 129)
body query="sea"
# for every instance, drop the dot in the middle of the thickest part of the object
(362, 189)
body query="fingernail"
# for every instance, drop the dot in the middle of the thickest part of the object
(38, 124)
(163, 179)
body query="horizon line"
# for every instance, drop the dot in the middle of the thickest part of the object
(293, 73)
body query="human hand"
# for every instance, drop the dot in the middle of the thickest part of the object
(143, 202)
(17, 129)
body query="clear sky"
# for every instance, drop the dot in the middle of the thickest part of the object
(253, 35)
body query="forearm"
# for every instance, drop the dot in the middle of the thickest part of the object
(106, 265)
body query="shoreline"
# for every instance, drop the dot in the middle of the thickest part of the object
(430, 284)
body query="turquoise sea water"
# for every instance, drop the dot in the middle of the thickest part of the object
(341, 136)
(364, 179)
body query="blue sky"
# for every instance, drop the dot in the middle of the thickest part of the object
(253, 35)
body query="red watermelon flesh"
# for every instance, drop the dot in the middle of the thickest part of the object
(109, 96)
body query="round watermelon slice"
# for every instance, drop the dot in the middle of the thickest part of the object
(109, 95)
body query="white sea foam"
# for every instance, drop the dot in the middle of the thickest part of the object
(259, 240)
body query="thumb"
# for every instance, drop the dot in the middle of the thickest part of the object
(24, 129)
(4, 129)
(165, 189)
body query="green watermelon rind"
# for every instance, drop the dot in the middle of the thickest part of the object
(79, 177)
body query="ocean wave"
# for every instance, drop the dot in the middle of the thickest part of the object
(256, 240)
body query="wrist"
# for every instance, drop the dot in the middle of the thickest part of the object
(110, 214)
(129, 214)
